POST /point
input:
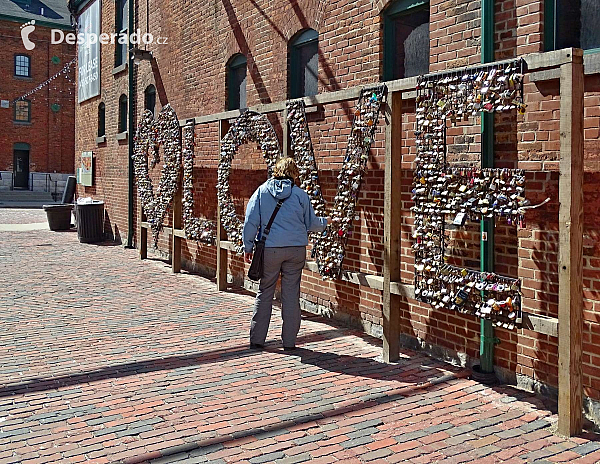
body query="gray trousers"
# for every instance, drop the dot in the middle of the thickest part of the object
(289, 262)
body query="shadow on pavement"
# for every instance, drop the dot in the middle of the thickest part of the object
(194, 449)
(151, 365)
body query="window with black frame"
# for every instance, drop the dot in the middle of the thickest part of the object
(123, 113)
(236, 82)
(101, 120)
(121, 27)
(150, 99)
(304, 64)
(572, 23)
(22, 111)
(406, 39)
(22, 66)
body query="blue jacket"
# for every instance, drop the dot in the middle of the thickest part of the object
(293, 221)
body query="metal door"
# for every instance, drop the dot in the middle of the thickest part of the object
(21, 169)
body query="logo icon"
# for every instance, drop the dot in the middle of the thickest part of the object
(27, 29)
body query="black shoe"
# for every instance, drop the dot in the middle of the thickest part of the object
(256, 346)
(289, 348)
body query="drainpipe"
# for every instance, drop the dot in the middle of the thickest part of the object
(130, 126)
(486, 348)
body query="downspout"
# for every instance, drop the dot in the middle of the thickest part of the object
(488, 340)
(130, 125)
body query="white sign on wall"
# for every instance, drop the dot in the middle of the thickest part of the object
(4, 104)
(88, 53)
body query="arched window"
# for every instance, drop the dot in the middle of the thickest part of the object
(121, 25)
(236, 82)
(22, 66)
(101, 120)
(123, 113)
(150, 99)
(304, 64)
(406, 39)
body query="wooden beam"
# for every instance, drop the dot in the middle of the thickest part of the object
(534, 61)
(180, 233)
(221, 235)
(142, 232)
(391, 226)
(570, 256)
(547, 59)
(225, 245)
(175, 240)
(541, 324)
(545, 75)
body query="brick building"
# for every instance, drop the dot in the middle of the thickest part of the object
(228, 54)
(37, 139)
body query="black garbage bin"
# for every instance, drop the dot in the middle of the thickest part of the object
(59, 216)
(90, 221)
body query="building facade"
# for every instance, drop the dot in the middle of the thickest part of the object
(37, 140)
(227, 54)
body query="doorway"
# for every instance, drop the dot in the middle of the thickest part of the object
(21, 166)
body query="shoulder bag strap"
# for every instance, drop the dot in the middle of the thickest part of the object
(270, 223)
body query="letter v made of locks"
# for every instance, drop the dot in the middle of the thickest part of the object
(329, 247)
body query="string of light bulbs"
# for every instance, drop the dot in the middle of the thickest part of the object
(66, 68)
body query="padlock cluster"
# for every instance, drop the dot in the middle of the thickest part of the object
(464, 193)
(248, 127)
(149, 136)
(457, 96)
(470, 193)
(201, 230)
(461, 290)
(329, 248)
(304, 155)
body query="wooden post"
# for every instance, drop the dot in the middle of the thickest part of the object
(570, 257)
(143, 232)
(221, 252)
(177, 221)
(391, 227)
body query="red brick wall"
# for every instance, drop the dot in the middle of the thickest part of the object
(50, 134)
(192, 72)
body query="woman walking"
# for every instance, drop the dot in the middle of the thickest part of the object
(285, 249)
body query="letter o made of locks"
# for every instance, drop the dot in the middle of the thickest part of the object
(249, 127)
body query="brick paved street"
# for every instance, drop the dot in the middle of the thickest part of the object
(109, 359)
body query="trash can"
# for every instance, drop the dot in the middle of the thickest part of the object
(90, 221)
(59, 216)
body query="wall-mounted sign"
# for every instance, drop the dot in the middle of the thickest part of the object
(85, 171)
(88, 53)
(4, 104)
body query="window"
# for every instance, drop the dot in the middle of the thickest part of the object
(121, 29)
(23, 111)
(571, 23)
(22, 66)
(150, 99)
(123, 113)
(304, 64)
(101, 120)
(236, 82)
(406, 39)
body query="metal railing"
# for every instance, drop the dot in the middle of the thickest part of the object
(54, 191)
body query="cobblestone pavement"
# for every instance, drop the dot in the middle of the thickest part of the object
(22, 216)
(106, 358)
